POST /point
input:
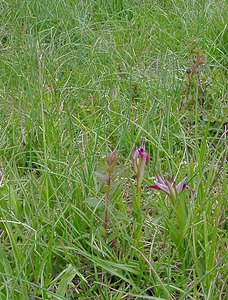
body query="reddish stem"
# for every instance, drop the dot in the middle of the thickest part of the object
(107, 202)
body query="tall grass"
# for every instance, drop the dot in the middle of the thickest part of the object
(80, 79)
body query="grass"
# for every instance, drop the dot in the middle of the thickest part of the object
(80, 79)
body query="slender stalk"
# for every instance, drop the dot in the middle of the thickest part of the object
(138, 216)
(107, 199)
(138, 198)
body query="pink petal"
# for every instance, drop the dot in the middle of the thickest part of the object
(159, 179)
(163, 187)
(181, 185)
(135, 153)
(145, 154)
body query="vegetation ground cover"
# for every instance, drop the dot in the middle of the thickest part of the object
(79, 80)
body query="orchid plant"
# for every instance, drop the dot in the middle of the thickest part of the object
(140, 158)
(169, 187)
(179, 225)
(106, 178)
(112, 161)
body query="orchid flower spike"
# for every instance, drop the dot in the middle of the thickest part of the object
(139, 158)
(139, 154)
(169, 187)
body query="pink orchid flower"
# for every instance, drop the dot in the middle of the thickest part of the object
(140, 153)
(139, 158)
(169, 187)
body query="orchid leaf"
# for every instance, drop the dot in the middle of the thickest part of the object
(101, 176)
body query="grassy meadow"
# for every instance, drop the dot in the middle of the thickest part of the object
(82, 82)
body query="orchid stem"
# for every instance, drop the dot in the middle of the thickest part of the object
(107, 203)
(138, 198)
(138, 216)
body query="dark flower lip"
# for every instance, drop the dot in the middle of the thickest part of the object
(143, 153)
(155, 187)
(140, 152)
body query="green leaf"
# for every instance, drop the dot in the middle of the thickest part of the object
(121, 170)
(101, 176)
(67, 276)
(93, 202)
